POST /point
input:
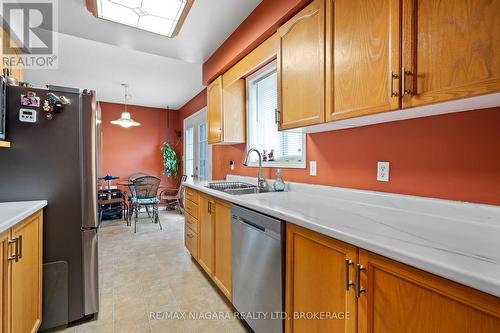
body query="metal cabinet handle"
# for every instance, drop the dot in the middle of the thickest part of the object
(15, 255)
(405, 72)
(359, 289)
(277, 116)
(394, 76)
(348, 281)
(20, 237)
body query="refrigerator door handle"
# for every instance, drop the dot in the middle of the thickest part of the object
(89, 163)
(90, 272)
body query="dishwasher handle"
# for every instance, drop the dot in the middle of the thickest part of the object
(256, 226)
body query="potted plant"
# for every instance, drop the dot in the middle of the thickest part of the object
(170, 160)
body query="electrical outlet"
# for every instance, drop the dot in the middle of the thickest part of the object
(383, 171)
(312, 168)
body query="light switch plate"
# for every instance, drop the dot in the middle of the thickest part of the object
(383, 171)
(312, 168)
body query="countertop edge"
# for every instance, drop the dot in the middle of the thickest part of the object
(465, 278)
(12, 221)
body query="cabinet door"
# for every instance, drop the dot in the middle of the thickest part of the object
(25, 285)
(316, 281)
(362, 57)
(4, 253)
(18, 71)
(399, 298)
(451, 49)
(214, 95)
(205, 236)
(223, 254)
(301, 68)
(234, 107)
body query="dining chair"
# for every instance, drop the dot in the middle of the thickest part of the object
(174, 196)
(144, 193)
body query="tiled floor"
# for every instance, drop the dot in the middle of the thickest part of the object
(151, 271)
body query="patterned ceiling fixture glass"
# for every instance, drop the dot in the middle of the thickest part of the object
(163, 17)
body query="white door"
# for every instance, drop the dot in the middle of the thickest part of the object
(197, 151)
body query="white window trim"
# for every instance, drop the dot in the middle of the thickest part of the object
(269, 68)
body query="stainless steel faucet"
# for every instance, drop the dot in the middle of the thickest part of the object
(261, 181)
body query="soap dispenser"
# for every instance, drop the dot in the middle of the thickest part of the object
(279, 184)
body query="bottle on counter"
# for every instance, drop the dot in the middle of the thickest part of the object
(279, 184)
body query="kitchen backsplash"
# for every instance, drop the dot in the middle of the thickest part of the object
(454, 156)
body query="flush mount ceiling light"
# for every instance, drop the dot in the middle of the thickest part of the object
(126, 120)
(164, 17)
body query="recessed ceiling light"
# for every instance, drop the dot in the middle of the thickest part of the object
(164, 17)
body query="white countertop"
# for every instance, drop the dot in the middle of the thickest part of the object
(456, 240)
(12, 213)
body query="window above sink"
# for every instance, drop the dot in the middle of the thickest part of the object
(289, 147)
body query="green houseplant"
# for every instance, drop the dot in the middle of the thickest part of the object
(170, 160)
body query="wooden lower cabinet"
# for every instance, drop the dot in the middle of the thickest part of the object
(21, 278)
(400, 298)
(394, 297)
(316, 282)
(4, 238)
(191, 241)
(205, 236)
(222, 248)
(213, 249)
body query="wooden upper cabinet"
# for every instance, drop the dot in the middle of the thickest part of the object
(234, 111)
(451, 49)
(226, 111)
(362, 57)
(214, 96)
(18, 71)
(301, 68)
(316, 281)
(399, 298)
(205, 236)
(222, 248)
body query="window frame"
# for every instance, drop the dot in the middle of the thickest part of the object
(262, 73)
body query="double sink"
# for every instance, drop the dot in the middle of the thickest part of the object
(236, 188)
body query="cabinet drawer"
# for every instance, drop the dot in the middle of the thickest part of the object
(192, 209)
(191, 195)
(191, 222)
(191, 241)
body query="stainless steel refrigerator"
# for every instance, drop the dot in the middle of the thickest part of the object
(57, 160)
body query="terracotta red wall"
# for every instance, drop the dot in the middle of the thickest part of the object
(256, 28)
(454, 156)
(136, 149)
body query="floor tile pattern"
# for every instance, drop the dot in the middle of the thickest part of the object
(152, 272)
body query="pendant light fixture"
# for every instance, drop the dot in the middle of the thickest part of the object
(126, 120)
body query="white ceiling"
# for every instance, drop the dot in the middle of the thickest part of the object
(98, 54)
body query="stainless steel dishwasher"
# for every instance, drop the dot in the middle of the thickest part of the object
(258, 245)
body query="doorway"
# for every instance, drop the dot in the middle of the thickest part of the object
(197, 151)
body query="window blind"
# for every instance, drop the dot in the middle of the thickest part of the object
(287, 146)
